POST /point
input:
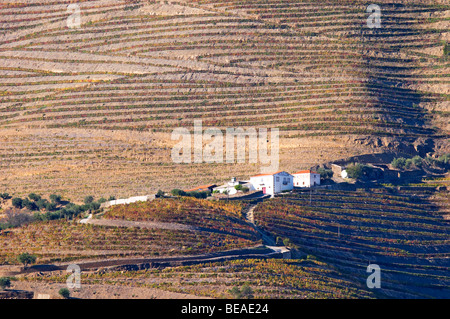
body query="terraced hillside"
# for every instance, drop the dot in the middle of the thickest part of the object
(60, 240)
(272, 278)
(199, 214)
(404, 233)
(95, 105)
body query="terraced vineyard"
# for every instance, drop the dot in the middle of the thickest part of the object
(150, 68)
(272, 278)
(222, 229)
(104, 98)
(220, 217)
(405, 234)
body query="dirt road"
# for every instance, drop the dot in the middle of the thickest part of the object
(257, 252)
(146, 224)
(267, 239)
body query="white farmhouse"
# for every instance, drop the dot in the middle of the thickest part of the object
(272, 183)
(306, 179)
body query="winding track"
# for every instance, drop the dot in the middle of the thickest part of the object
(147, 224)
(256, 252)
(267, 239)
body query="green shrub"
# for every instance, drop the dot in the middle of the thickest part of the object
(279, 241)
(53, 215)
(355, 170)
(56, 199)
(50, 206)
(88, 199)
(42, 203)
(417, 161)
(325, 173)
(5, 196)
(203, 194)
(64, 292)
(84, 207)
(196, 194)
(5, 282)
(444, 159)
(245, 293)
(34, 197)
(26, 259)
(17, 202)
(39, 217)
(95, 206)
(177, 192)
(31, 205)
(287, 242)
(408, 163)
(398, 163)
(160, 193)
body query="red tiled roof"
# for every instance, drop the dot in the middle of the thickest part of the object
(267, 174)
(200, 188)
(305, 172)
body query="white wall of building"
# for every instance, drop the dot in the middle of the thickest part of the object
(229, 189)
(273, 183)
(263, 182)
(306, 179)
(128, 200)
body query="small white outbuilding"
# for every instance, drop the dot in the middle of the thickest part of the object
(230, 187)
(306, 178)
